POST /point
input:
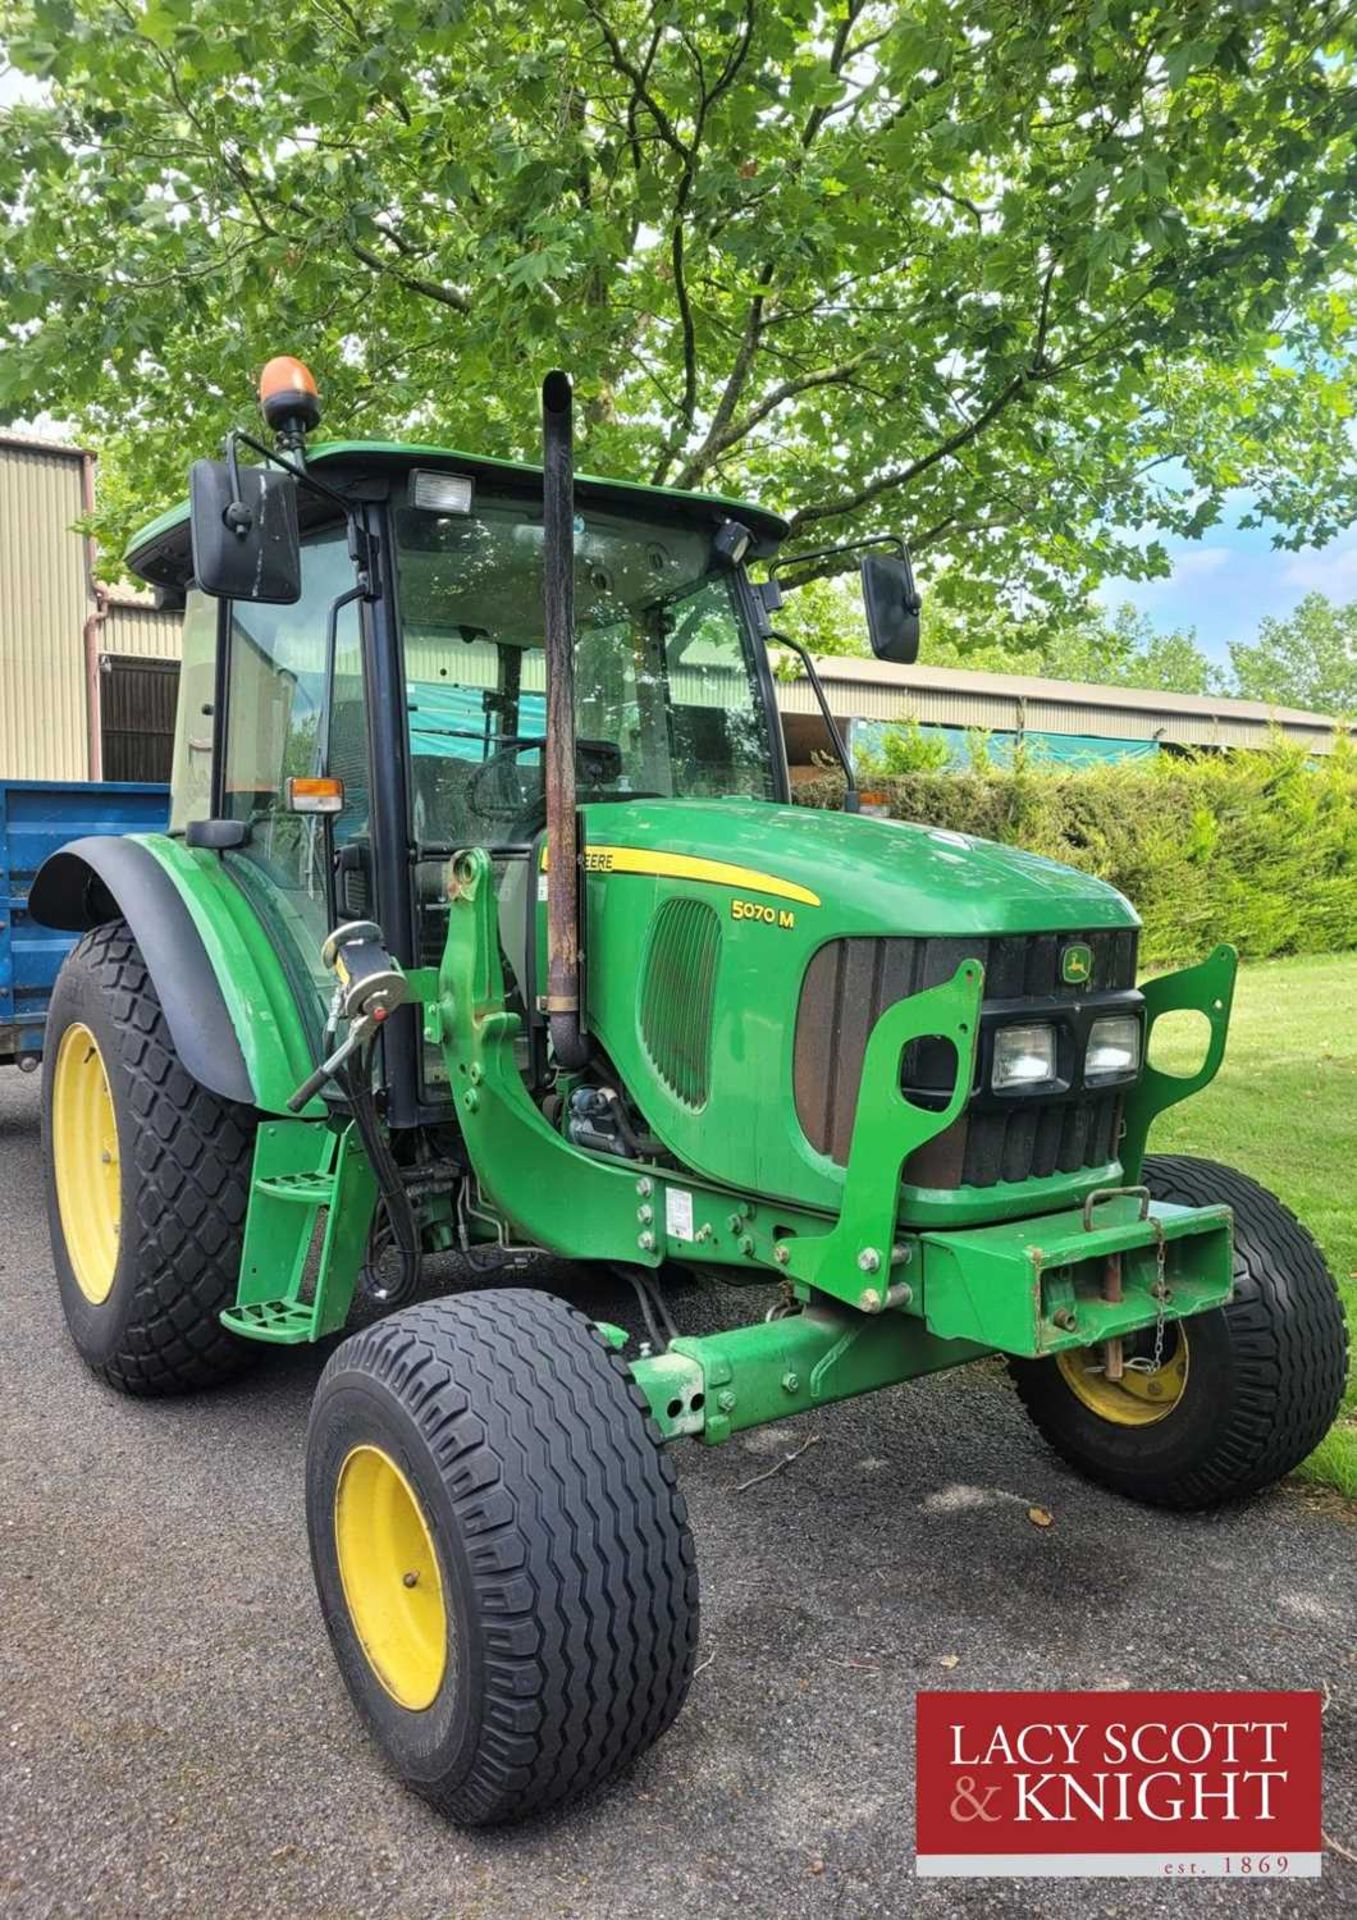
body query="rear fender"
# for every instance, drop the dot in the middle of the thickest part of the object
(231, 1013)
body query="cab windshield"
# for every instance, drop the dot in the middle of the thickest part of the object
(667, 699)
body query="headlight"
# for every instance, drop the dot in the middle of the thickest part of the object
(1113, 1047)
(1023, 1057)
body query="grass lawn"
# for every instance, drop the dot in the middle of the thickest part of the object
(1284, 1109)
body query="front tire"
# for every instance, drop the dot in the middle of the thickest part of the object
(501, 1552)
(1251, 1387)
(148, 1178)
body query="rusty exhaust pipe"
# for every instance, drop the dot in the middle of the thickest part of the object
(558, 585)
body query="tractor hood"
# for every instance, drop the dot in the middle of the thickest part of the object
(738, 954)
(855, 874)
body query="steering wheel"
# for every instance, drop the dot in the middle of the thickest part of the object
(598, 766)
(488, 791)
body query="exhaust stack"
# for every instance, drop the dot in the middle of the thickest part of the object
(558, 580)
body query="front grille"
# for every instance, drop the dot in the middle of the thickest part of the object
(1023, 1142)
(850, 983)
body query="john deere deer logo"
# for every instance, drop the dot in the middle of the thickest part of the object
(1076, 965)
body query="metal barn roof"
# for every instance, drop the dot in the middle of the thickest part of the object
(861, 689)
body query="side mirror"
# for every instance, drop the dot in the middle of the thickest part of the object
(891, 601)
(246, 538)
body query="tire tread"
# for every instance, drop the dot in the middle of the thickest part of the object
(1288, 1340)
(582, 1564)
(193, 1153)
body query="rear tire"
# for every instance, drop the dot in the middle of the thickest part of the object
(1264, 1374)
(501, 1552)
(144, 1269)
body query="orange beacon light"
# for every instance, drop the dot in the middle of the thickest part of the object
(288, 397)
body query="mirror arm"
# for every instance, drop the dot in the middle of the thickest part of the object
(359, 548)
(852, 799)
(793, 560)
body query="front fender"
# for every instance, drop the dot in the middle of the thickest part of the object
(231, 1012)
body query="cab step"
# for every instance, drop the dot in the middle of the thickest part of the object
(288, 1323)
(312, 1198)
(307, 1189)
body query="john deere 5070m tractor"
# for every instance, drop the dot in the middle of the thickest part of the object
(483, 923)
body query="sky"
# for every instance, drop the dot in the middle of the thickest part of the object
(1225, 582)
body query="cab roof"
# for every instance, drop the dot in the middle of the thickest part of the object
(366, 470)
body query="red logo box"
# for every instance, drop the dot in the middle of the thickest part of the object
(1168, 1784)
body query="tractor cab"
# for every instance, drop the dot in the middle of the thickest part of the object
(336, 747)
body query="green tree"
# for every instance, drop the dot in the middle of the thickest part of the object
(905, 747)
(972, 271)
(1123, 648)
(1117, 648)
(1308, 660)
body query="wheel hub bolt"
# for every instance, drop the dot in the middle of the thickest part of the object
(410, 1579)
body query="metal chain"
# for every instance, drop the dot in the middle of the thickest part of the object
(1161, 1294)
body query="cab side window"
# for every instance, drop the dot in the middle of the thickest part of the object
(194, 728)
(279, 726)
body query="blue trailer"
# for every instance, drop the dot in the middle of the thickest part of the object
(37, 817)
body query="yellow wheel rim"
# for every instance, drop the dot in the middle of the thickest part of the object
(85, 1162)
(389, 1572)
(1137, 1399)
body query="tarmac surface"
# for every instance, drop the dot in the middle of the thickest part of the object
(177, 1740)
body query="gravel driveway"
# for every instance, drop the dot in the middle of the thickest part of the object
(178, 1741)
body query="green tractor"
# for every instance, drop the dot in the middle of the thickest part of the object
(483, 925)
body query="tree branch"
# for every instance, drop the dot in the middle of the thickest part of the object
(640, 81)
(718, 443)
(683, 426)
(1038, 368)
(412, 282)
(901, 477)
(747, 351)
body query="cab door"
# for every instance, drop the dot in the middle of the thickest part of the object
(282, 720)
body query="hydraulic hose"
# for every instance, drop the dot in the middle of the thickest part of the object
(357, 1084)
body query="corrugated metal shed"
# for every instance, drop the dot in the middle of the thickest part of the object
(45, 601)
(134, 627)
(55, 627)
(1017, 703)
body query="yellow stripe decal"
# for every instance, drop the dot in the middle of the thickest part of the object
(685, 866)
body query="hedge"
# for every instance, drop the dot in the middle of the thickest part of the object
(1257, 847)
